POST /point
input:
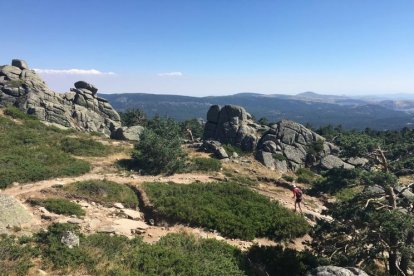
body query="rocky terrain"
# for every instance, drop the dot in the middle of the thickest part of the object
(231, 125)
(284, 146)
(80, 108)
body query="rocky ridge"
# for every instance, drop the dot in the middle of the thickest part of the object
(80, 108)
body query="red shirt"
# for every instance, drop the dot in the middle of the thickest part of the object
(296, 190)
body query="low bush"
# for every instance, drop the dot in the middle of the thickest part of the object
(230, 149)
(233, 210)
(15, 257)
(288, 178)
(84, 147)
(279, 157)
(159, 149)
(103, 191)
(174, 254)
(305, 176)
(16, 113)
(60, 206)
(275, 260)
(205, 164)
(30, 151)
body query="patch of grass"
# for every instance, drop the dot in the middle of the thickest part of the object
(230, 149)
(103, 191)
(305, 176)
(60, 206)
(30, 151)
(279, 157)
(233, 210)
(16, 113)
(205, 164)
(288, 178)
(84, 147)
(15, 257)
(244, 180)
(348, 193)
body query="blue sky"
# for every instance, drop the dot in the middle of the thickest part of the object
(216, 47)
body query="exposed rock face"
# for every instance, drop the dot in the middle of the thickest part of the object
(331, 270)
(231, 124)
(286, 146)
(80, 108)
(128, 133)
(12, 213)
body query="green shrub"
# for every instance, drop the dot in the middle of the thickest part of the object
(231, 209)
(84, 147)
(279, 157)
(276, 260)
(205, 164)
(104, 192)
(60, 206)
(30, 151)
(181, 254)
(288, 178)
(194, 125)
(133, 117)
(16, 113)
(174, 254)
(159, 149)
(230, 149)
(305, 176)
(15, 257)
(57, 255)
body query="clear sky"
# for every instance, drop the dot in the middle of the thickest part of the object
(215, 47)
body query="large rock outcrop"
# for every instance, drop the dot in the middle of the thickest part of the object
(231, 124)
(80, 108)
(290, 145)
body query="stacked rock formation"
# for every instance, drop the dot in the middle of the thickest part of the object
(231, 125)
(80, 108)
(286, 145)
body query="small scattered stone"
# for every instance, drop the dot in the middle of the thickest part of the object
(70, 239)
(75, 221)
(119, 205)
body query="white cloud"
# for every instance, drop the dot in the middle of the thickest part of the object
(72, 72)
(170, 74)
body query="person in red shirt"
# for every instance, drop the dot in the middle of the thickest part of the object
(298, 196)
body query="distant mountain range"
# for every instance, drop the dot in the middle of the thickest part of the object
(308, 107)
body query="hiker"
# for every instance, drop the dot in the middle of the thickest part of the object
(297, 195)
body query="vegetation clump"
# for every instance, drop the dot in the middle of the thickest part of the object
(233, 210)
(159, 149)
(31, 151)
(101, 254)
(84, 147)
(103, 191)
(205, 164)
(60, 206)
